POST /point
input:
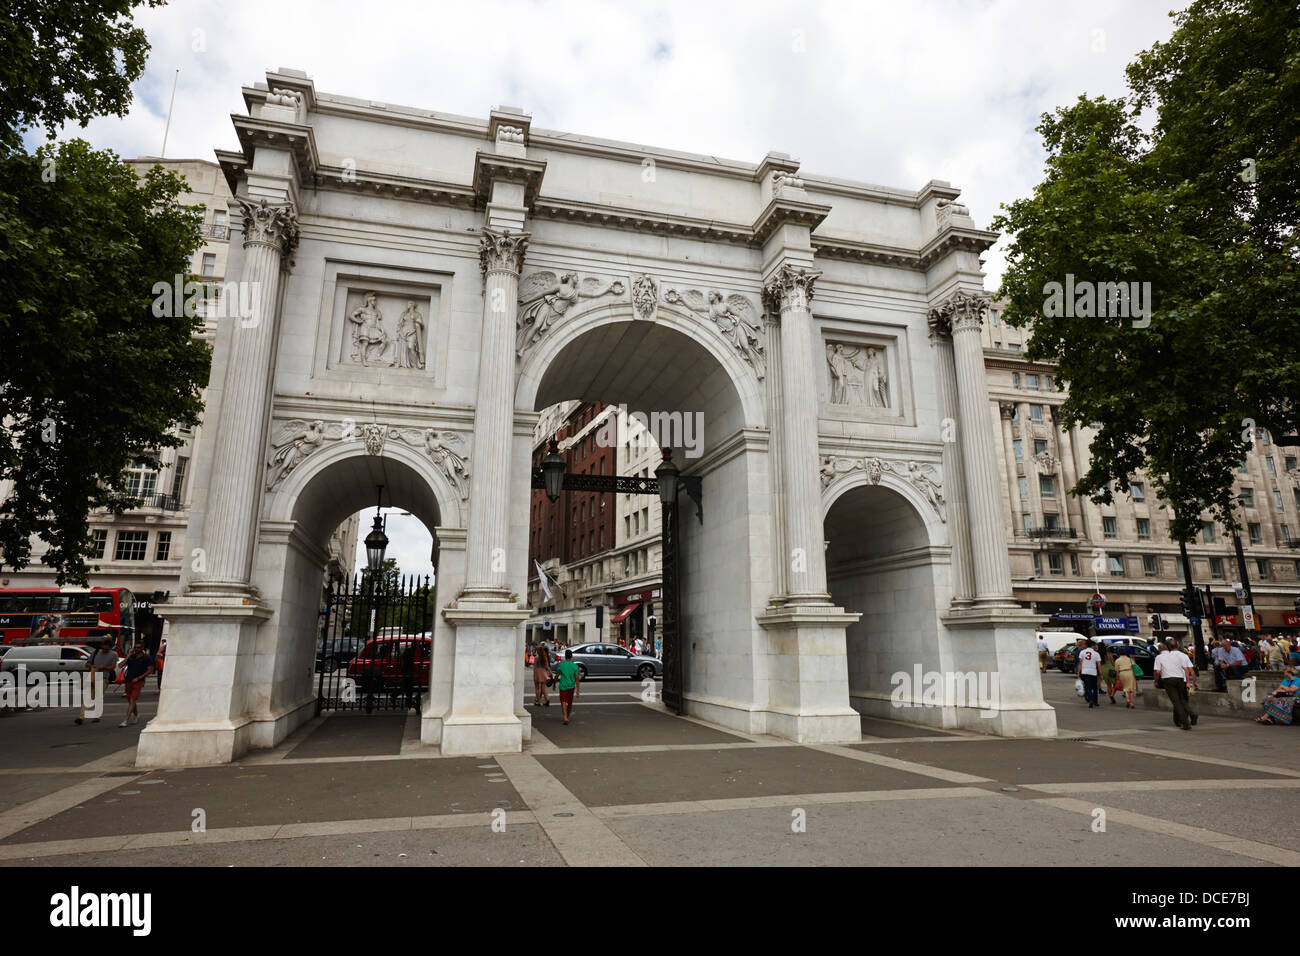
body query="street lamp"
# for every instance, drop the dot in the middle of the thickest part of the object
(667, 474)
(553, 471)
(377, 541)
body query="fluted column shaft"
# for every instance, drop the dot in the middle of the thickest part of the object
(270, 231)
(488, 541)
(1066, 481)
(954, 476)
(1031, 466)
(1009, 452)
(789, 292)
(965, 314)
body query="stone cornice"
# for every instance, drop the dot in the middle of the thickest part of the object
(274, 134)
(955, 240)
(643, 220)
(311, 406)
(779, 212)
(389, 186)
(492, 166)
(829, 247)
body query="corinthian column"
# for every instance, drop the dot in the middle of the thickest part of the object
(963, 313)
(270, 233)
(788, 293)
(1007, 410)
(502, 255)
(963, 577)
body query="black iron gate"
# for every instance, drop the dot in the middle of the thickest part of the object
(375, 644)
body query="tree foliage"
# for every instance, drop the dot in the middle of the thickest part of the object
(1205, 208)
(90, 376)
(64, 60)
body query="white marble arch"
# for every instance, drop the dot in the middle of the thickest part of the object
(603, 353)
(888, 559)
(333, 483)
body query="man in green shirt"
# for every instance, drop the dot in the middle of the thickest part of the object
(567, 672)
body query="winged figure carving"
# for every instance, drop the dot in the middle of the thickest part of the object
(293, 443)
(735, 318)
(545, 296)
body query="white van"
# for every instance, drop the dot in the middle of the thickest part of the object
(50, 658)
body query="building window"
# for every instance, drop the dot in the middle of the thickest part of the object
(1025, 521)
(1256, 534)
(1051, 521)
(209, 264)
(1036, 414)
(131, 546)
(141, 480)
(178, 479)
(1019, 446)
(1031, 382)
(1179, 567)
(1149, 567)
(163, 549)
(1015, 379)
(1247, 497)
(1047, 486)
(1108, 527)
(1138, 491)
(1040, 446)
(1270, 467)
(1290, 463)
(1116, 567)
(1013, 347)
(1207, 531)
(1074, 564)
(98, 542)
(1261, 565)
(1038, 564)
(1241, 467)
(1047, 382)
(1023, 482)
(1216, 568)
(1015, 414)
(1055, 563)
(1277, 500)
(1144, 529)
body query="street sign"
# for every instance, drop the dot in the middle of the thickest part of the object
(1248, 617)
(1098, 600)
(1194, 621)
(546, 625)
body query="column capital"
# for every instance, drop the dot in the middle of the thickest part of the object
(502, 251)
(1007, 409)
(959, 312)
(274, 225)
(789, 289)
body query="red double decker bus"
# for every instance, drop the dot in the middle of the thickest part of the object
(67, 616)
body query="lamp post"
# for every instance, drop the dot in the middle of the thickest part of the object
(553, 471)
(377, 541)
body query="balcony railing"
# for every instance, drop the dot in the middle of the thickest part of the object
(1068, 533)
(213, 231)
(162, 502)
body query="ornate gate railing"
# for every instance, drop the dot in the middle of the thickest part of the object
(375, 644)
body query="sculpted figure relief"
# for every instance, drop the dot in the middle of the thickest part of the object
(368, 335)
(857, 376)
(544, 297)
(407, 350)
(734, 317)
(294, 442)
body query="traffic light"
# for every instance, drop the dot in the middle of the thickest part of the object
(1185, 601)
(1296, 604)
(600, 616)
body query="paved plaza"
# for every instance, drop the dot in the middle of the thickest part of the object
(628, 784)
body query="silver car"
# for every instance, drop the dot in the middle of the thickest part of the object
(610, 660)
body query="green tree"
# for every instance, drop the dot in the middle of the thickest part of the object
(92, 374)
(63, 60)
(1205, 208)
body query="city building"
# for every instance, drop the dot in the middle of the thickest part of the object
(1064, 548)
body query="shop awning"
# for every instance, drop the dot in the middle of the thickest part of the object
(623, 614)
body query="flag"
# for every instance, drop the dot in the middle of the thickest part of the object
(546, 584)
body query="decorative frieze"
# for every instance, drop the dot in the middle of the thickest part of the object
(267, 224)
(733, 315)
(372, 340)
(544, 297)
(858, 376)
(298, 439)
(923, 476)
(645, 297)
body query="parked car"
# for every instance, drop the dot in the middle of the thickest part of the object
(1143, 654)
(610, 660)
(333, 653)
(383, 663)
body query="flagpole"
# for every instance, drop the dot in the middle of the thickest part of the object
(167, 128)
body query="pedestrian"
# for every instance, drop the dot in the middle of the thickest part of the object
(1236, 662)
(1043, 652)
(1127, 677)
(158, 662)
(568, 674)
(103, 661)
(1276, 659)
(139, 665)
(1177, 676)
(541, 675)
(1220, 658)
(1279, 706)
(1086, 667)
(1109, 675)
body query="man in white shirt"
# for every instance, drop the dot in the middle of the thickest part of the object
(1043, 652)
(1086, 666)
(1176, 674)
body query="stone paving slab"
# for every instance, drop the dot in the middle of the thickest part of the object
(602, 780)
(49, 738)
(957, 832)
(519, 845)
(879, 727)
(1054, 761)
(1264, 815)
(299, 793)
(622, 725)
(354, 735)
(19, 788)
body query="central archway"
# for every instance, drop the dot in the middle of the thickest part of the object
(682, 365)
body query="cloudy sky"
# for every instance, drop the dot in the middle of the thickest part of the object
(894, 93)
